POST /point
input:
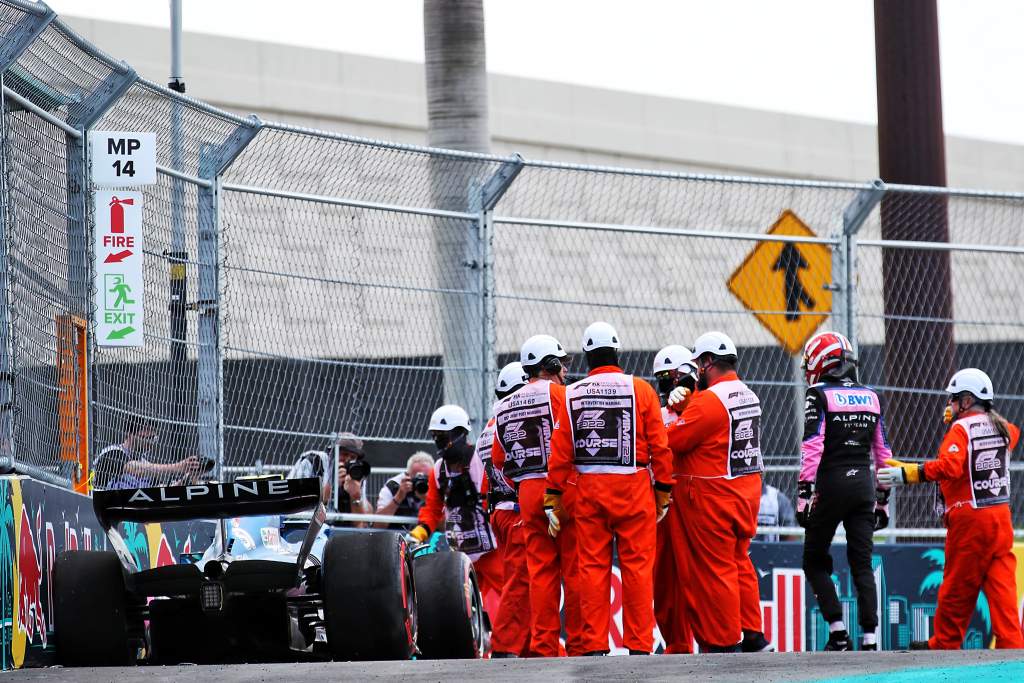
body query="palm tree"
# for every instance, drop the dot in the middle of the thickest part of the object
(933, 580)
(457, 118)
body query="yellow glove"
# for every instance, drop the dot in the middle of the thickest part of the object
(947, 415)
(899, 473)
(553, 508)
(662, 500)
(420, 533)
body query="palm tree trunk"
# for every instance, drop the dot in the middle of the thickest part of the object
(919, 351)
(457, 118)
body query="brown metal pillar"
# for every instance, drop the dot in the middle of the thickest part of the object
(919, 352)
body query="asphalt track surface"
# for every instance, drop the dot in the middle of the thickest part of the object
(987, 666)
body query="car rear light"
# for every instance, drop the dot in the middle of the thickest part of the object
(211, 596)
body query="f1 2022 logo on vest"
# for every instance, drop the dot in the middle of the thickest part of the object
(590, 419)
(514, 431)
(988, 460)
(744, 430)
(853, 400)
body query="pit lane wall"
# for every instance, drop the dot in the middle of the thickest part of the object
(37, 521)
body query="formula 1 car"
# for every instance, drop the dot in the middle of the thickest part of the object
(253, 596)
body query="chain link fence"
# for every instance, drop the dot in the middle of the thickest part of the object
(300, 283)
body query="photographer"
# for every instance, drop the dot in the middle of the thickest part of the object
(353, 470)
(128, 464)
(405, 493)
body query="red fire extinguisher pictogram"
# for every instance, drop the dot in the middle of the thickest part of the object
(117, 213)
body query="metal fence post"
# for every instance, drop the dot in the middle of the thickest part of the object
(81, 278)
(6, 328)
(214, 160)
(490, 194)
(844, 263)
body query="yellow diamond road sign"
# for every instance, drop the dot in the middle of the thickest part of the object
(784, 284)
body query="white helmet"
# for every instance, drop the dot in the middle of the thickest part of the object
(715, 343)
(974, 382)
(538, 347)
(673, 357)
(511, 377)
(600, 335)
(449, 417)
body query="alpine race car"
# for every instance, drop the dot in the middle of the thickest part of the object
(254, 596)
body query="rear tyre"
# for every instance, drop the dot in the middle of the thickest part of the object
(451, 612)
(369, 603)
(90, 610)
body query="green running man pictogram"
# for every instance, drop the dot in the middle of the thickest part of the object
(119, 290)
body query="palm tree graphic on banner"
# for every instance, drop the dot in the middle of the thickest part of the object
(933, 580)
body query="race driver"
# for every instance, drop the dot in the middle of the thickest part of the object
(973, 473)
(522, 444)
(609, 431)
(843, 434)
(511, 633)
(718, 465)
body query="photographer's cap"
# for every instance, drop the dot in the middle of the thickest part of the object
(349, 442)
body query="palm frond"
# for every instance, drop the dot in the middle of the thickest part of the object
(930, 582)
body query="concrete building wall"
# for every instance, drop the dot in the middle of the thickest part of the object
(385, 99)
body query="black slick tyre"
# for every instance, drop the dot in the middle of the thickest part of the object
(90, 610)
(368, 596)
(451, 614)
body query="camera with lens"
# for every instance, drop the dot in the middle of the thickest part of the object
(206, 464)
(358, 469)
(420, 483)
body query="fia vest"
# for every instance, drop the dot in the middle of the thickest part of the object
(500, 493)
(466, 524)
(524, 424)
(988, 462)
(602, 417)
(744, 410)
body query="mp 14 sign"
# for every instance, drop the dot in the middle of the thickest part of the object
(120, 159)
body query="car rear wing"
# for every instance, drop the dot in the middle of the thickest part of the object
(205, 501)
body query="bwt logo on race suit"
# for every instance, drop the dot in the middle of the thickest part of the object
(852, 399)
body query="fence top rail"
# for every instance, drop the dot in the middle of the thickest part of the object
(42, 113)
(37, 8)
(941, 246)
(655, 230)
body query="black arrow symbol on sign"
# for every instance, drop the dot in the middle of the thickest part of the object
(791, 262)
